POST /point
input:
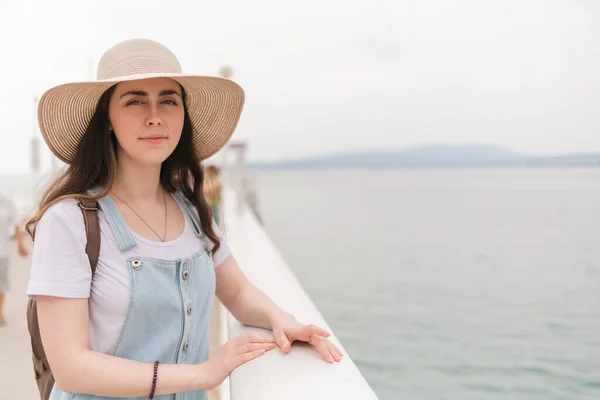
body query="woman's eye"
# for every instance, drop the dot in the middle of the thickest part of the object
(133, 102)
(170, 102)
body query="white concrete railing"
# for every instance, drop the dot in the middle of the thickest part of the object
(301, 374)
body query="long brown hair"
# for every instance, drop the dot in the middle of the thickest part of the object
(95, 163)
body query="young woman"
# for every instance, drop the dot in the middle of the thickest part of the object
(133, 140)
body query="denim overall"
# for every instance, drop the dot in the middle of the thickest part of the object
(169, 307)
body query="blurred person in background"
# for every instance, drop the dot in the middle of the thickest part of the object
(212, 191)
(8, 227)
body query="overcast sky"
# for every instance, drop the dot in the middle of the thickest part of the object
(336, 75)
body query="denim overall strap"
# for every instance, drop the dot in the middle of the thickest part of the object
(186, 205)
(121, 230)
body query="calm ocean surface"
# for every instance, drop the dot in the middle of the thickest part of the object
(447, 284)
(451, 284)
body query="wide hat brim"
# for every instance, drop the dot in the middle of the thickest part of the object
(214, 105)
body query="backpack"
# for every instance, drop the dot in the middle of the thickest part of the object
(43, 374)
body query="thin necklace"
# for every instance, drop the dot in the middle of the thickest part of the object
(142, 219)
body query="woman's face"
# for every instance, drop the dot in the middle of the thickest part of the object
(147, 117)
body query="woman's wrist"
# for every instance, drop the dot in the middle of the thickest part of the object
(280, 317)
(202, 377)
(189, 378)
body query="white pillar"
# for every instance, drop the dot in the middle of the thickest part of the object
(35, 141)
(239, 172)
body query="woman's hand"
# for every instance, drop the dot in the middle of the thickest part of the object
(286, 329)
(23, 252)
(232, 354)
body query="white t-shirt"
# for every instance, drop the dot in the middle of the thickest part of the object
(8, 219)
(60, 267)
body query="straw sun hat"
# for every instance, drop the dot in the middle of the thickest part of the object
(214, 104)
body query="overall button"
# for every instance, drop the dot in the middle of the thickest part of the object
(189, 310)
(136, 264)
(185, 347)
(186, 274)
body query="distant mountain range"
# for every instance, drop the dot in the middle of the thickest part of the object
(435, 157)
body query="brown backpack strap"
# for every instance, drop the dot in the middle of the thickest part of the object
(89, 208)
(43, 374)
